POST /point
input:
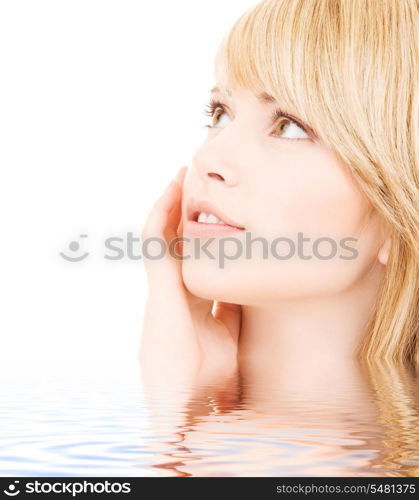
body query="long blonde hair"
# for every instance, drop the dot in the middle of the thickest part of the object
(349, 69)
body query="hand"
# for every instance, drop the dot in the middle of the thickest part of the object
(182, 338)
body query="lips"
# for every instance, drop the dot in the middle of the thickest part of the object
(196, 207)
(208, 225)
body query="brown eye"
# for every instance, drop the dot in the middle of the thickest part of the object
(287, 128)
(282, 125)
(218, 112)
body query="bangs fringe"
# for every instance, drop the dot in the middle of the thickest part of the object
(348, 68)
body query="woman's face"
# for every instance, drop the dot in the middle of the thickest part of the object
(265, 173)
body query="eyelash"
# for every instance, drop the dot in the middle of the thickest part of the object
(213, 104)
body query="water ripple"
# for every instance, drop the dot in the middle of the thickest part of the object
(58, 421)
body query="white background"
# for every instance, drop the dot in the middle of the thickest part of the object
(100, 104)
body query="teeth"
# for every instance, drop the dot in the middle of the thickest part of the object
(202, 217)
(212, 219)
(209, 218)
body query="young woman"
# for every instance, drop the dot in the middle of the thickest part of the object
(312, 153)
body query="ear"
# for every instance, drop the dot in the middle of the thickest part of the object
(384, 251)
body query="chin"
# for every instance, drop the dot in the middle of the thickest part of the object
(238, 283)
(207, 281)
(257, 284)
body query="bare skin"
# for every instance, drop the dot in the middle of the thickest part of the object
(192, 352)
(200, 320)
(187, 343)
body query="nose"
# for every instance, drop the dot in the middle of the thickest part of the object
(216, 163)
(211, 168)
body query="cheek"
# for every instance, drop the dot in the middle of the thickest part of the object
(311, 193)
(190, 181)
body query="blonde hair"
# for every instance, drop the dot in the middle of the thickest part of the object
(349, 69)
(395, 392)
(394, 435)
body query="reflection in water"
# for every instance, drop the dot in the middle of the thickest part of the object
(92, 418)
(366, 425)
(72, 418)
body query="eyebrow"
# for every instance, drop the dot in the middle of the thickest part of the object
(264, 96)
(269, 99)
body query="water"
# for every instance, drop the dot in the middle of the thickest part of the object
(100, 419)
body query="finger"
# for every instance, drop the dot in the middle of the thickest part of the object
(159, 216)
(174, 218)
(200, 307)
(166, 211)
(229, 315)
(180, 176)
(170, 232)
(179, 230)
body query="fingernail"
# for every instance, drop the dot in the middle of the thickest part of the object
(179, 174)
(169, 186)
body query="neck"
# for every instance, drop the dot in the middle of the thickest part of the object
(307, 340)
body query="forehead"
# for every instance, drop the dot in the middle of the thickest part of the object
(263, 97)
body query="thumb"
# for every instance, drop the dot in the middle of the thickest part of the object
(230, 316)
(201, 308)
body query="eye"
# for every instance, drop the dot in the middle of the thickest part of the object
(216, 110)
(287, 128)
